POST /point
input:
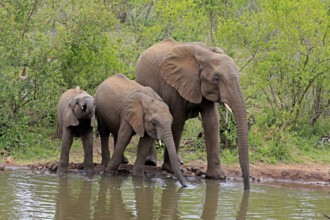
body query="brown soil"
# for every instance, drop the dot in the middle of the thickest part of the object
(318, 174)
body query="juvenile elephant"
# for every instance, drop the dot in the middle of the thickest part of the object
(125, 108)
(191, 78)
(76, 118)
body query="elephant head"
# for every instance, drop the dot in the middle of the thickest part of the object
(147, 113)
(196, 72)
(80, 107)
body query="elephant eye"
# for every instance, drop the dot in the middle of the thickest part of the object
(216, 79)
(153, 123)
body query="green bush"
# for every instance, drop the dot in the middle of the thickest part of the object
(62, 44)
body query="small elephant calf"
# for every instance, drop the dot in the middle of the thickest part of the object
(125, 108)
(76, 118)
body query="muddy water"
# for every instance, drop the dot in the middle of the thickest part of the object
(27, 195)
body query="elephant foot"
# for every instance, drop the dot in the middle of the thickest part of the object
(124, 160)
(138, 170)
(61, 171)
(150, 162)
(112, 168)
(89, 169)
(89, 172)
(104, 162)
(167, 167)
(110, 172)
(216, 174)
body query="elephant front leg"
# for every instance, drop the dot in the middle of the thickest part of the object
(87, 140)
(67, 140)
(142, 151)
(212, 139)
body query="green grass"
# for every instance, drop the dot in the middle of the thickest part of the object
(266, 144)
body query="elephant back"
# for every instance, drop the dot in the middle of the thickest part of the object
(115, 86)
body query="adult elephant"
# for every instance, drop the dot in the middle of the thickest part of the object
(191, 78)
(76, 118)
(125, 108)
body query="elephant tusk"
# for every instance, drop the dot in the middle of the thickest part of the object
(227, 107)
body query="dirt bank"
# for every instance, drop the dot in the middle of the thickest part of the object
(260, 172)
(318, 174)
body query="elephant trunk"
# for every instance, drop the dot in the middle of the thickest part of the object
(167, 137)
(239, 110)
(90, 107)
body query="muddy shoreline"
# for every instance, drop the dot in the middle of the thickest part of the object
(311, 174)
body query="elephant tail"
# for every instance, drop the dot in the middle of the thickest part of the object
(58, 131)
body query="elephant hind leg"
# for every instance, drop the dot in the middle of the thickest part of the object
(151, 159)
(125, 134)
(105, 152)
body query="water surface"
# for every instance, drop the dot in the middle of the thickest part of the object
(28, 195)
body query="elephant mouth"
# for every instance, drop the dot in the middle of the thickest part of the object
(213, 97)
(220, 101)
(87, 116)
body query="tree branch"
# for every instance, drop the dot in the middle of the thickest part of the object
(29, 18)
(253, 56)
(148, 12)
(311, 81)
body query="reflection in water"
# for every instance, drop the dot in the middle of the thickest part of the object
(144, 198)
(114, 195)
(211, 199)
(243, 208)
(212, 195)
(109, 202)
(73, 201)
(169, 201)
(34, 196)
(117, 203)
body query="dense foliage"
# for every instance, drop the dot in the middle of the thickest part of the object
(282, 49)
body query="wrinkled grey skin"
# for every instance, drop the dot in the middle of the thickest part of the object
(191, 78)
(125, 108)
(76, 118)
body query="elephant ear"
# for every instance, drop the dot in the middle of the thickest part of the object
(150, 92)
(133, 113)
(180, 70)
(216, 50)
(70, 118)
